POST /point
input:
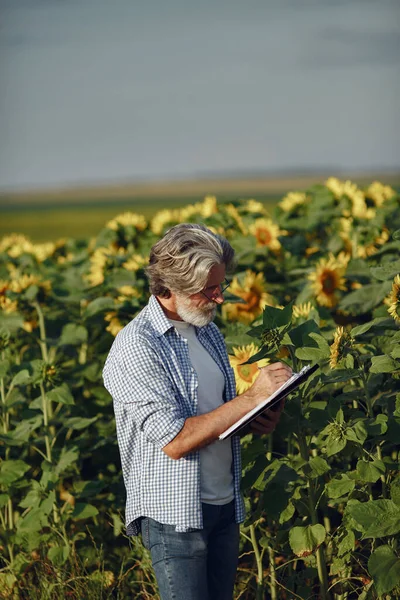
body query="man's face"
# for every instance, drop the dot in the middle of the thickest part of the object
(198, 309)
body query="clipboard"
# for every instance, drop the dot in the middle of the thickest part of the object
(286, 388)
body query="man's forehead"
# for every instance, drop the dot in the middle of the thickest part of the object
(216, 275)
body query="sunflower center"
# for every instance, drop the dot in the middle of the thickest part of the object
(252, 301)
(263, 236)
(247, 372)
(328, 281)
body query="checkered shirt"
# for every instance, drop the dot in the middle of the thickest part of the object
(154, 387)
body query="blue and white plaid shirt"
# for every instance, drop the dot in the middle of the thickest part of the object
(154, 387)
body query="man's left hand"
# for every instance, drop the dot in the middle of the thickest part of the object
(268, 420)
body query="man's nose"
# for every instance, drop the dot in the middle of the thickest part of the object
(219, 296)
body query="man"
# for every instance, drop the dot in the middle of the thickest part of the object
(174, 394)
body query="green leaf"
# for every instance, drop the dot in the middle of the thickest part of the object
(79, 422)
(378, 426)
(301, 337)
(334, 446)
(4, 498)
(33, 497)
(61, 394)
(318, 466)
(315, 355)
(12, 470)
(87, 489)
(73, 335)
(395, 490)
(305, 540)
(32, 522)
(67, 458)
(396, 234)
(21, 378)
(23, 430)
(360, 329)
(347, 543)
(4, 366)
(396, 352)
(84, 511)
(58, 555)
(383, 364)
(357, 433)
(277, 317)
(99, 305)
(370, 471)
(340, 486)
(262, 353)
(340, 375)
(47, 504)
(384, 566)
(287, 514)
(118, 524)
(366, 298)
(377, 518)
(386, 271)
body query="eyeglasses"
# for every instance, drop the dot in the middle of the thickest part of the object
(215, 290)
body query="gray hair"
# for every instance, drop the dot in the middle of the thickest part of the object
(181, 261)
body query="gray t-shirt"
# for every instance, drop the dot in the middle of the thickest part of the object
(216, 458)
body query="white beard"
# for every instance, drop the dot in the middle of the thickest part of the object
(199, 317)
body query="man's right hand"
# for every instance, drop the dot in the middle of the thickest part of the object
(268, 381)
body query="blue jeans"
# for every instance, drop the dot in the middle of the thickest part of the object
(200, 564)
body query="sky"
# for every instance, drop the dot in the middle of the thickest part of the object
(96, 91)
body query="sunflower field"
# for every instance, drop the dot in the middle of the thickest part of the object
(317, 281)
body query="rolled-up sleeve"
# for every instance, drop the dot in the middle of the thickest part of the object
(139, 384)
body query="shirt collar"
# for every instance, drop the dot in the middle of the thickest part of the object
(158, 317)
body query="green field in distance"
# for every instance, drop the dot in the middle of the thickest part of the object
(81, 212)
(49, 223)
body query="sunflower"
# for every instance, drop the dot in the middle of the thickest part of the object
(253, 292)
(245, 375)
(302, 311)
(6, 304)
(102, 260)
(393, 300)
(98, 261)
(342, 342)
(328, 279)
(233, 212)
(266, 233)
(335, 186)
(163, 218)
(254, 206)
(115, 325)
(292, 200)
(125, 219)
(22, 283)
(208, 207)
(127, 292)
(135, 262)
(43, 251)
(379, 193)
(369, 248)
(359, 208)
(15, 244)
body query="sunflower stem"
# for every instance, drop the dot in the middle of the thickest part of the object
(321, 560)
(382, 477)
(46, 422)
(272, 577)
(258, 557)
(42, 330)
